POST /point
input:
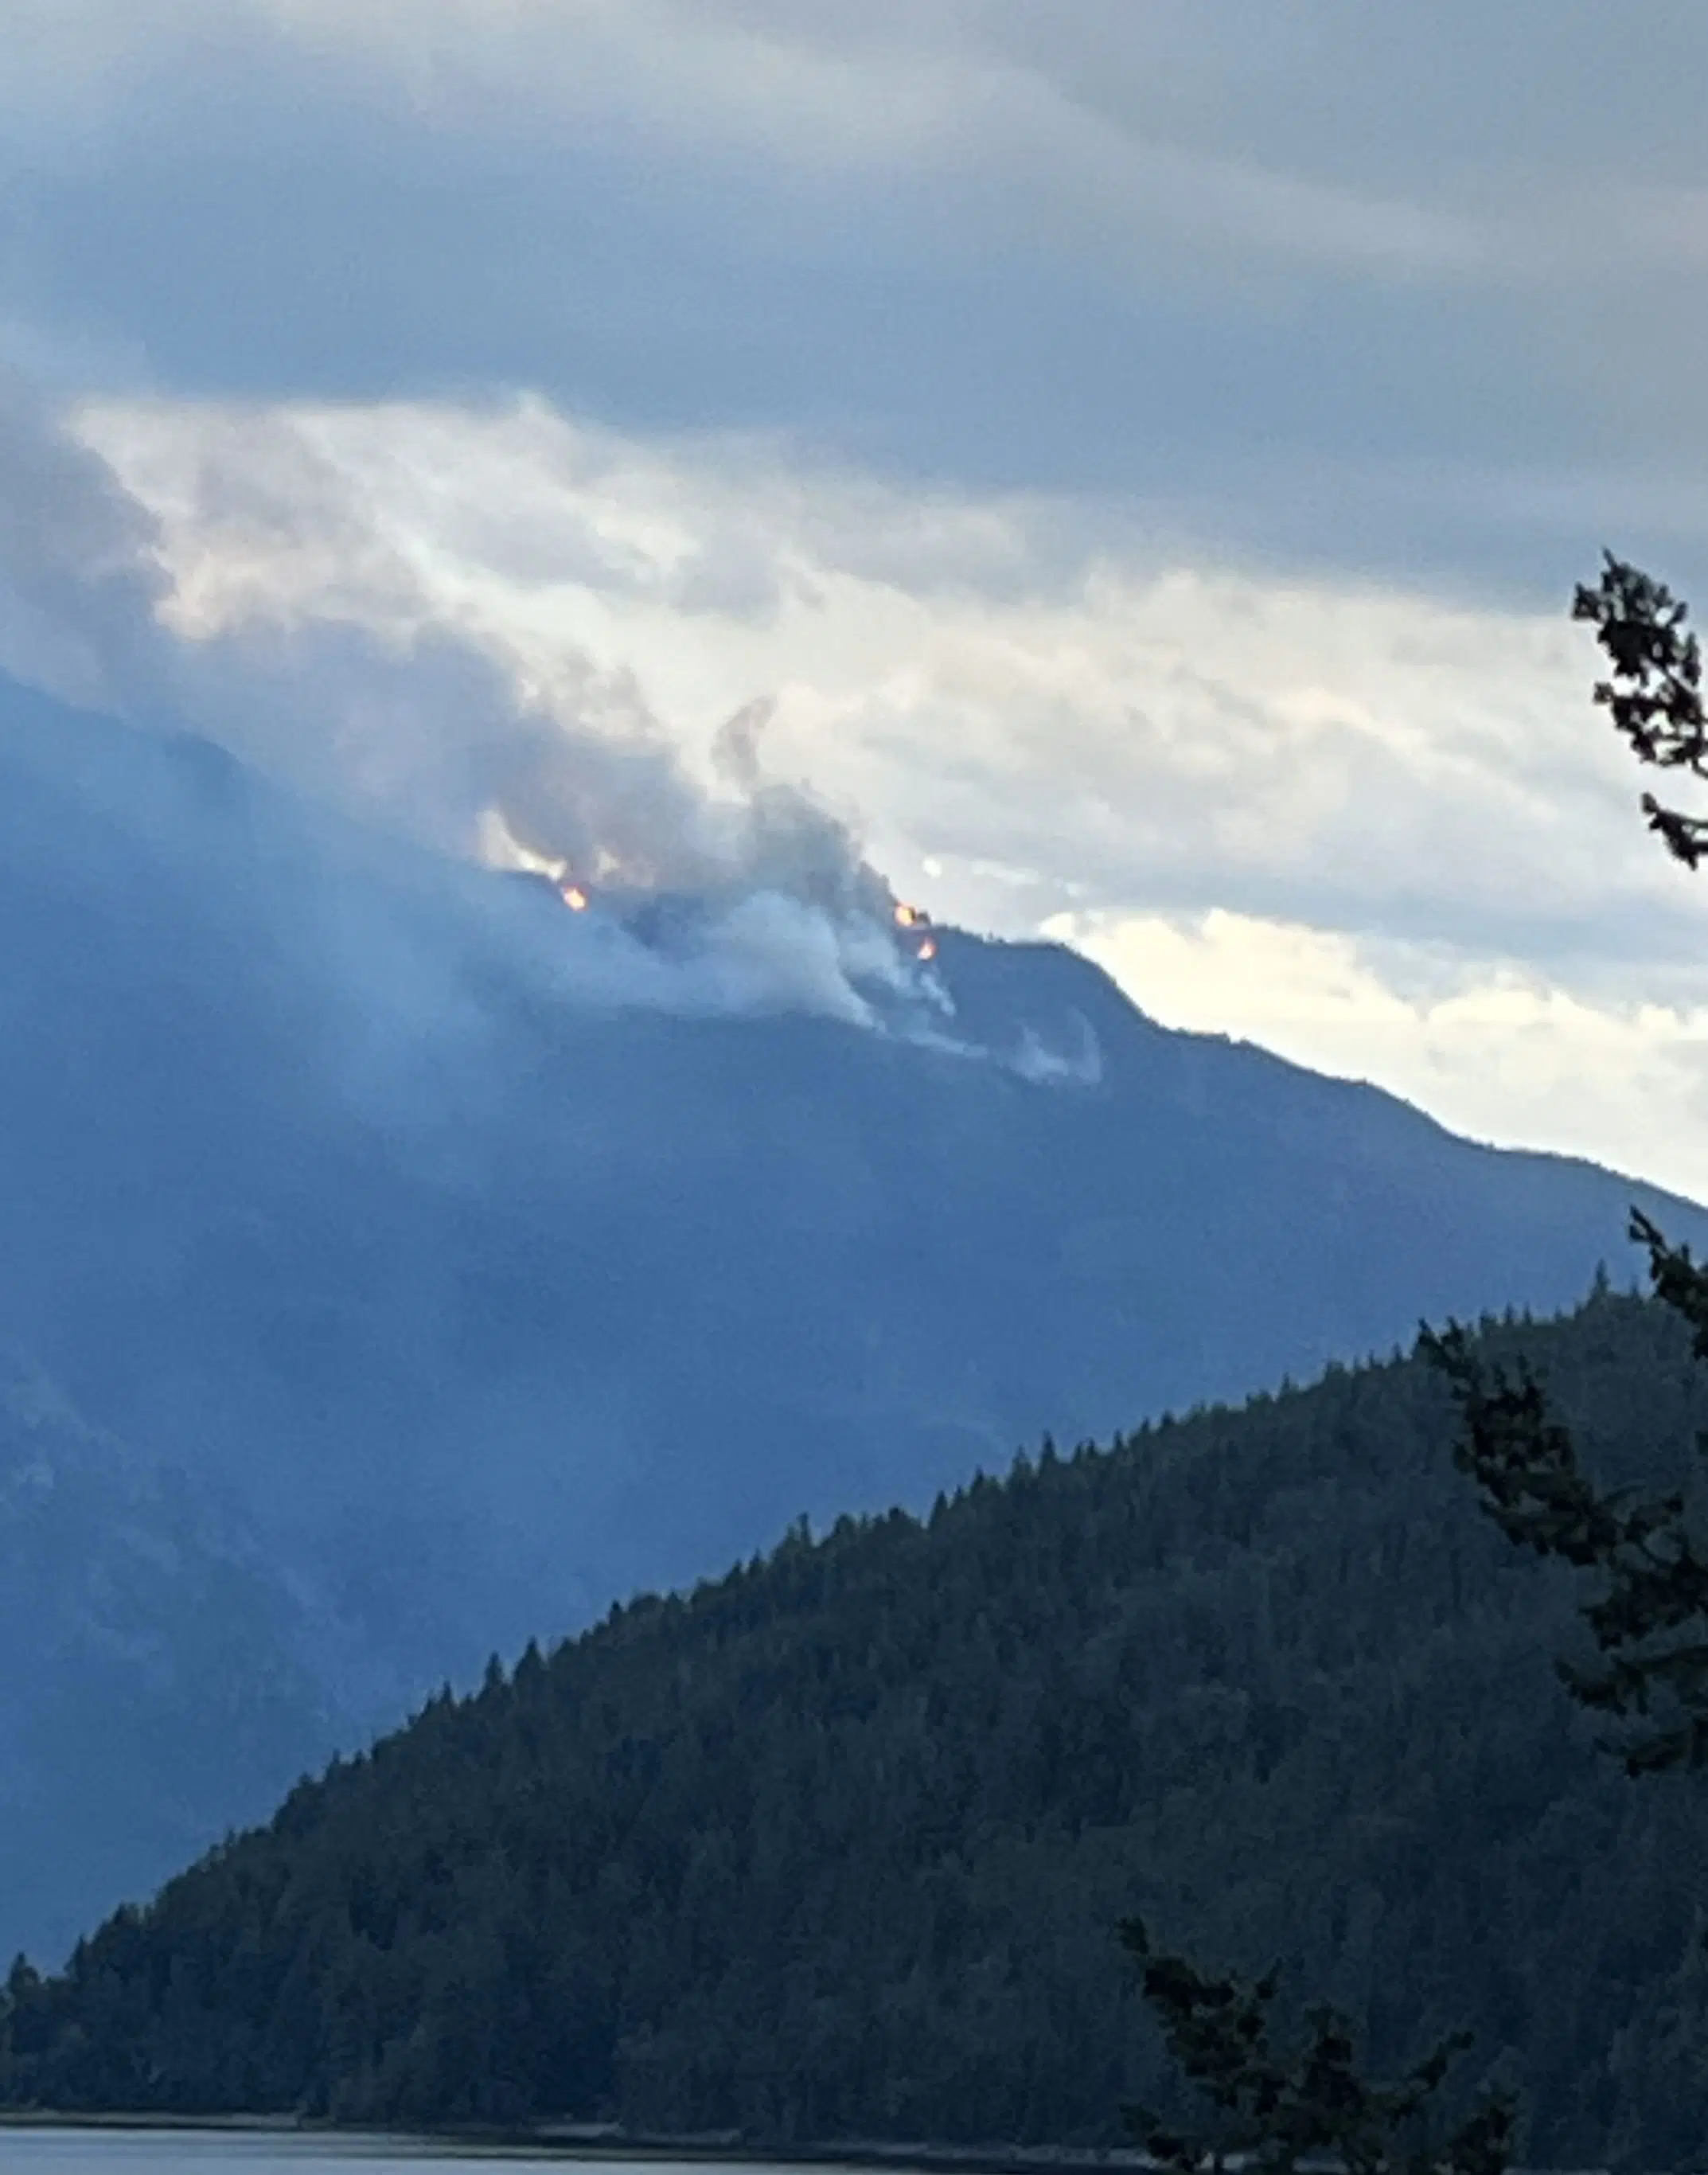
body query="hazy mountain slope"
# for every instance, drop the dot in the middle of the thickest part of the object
(491, 1271)
(157, 1671)
(835, 1847)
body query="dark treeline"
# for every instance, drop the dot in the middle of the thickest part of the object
(835, 1847)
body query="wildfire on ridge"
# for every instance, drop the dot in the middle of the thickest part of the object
(917, 923)
(573, 896)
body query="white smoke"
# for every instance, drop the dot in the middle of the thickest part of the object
(753, 954)
(1034, 1061)
(80, 573)
(414, 730)
(714, 891)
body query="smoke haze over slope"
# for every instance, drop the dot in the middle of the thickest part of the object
(422, 733)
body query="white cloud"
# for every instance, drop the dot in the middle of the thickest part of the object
(1386, 835)
(1493, 1047)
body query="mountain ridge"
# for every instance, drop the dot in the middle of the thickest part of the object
(494, 1266)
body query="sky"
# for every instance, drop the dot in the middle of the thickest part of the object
(1136, 455)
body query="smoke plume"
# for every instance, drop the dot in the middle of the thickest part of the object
(774, 907)
(80, 576)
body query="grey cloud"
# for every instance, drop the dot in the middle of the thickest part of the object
(1267, 271)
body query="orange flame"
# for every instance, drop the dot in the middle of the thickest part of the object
(907, 917)
(574, 897)
(928, 950)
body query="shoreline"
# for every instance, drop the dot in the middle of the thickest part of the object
(599, 2142)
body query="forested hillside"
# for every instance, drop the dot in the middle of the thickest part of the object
(835, 1846)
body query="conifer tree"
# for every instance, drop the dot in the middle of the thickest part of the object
(1649, 1617)
(1275, 2109)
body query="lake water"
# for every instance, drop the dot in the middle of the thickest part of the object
(239, 2152)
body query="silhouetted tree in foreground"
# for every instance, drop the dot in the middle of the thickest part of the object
(1276, 2109)
(1655, 695)
(1649, 1620)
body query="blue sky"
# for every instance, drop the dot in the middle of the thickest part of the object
(1141, 451)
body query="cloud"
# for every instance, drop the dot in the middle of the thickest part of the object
(1033, 715)
(1380, 833)
(1234, 122)
(1495, 1049)
(1337, 290)
(1015, 685)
